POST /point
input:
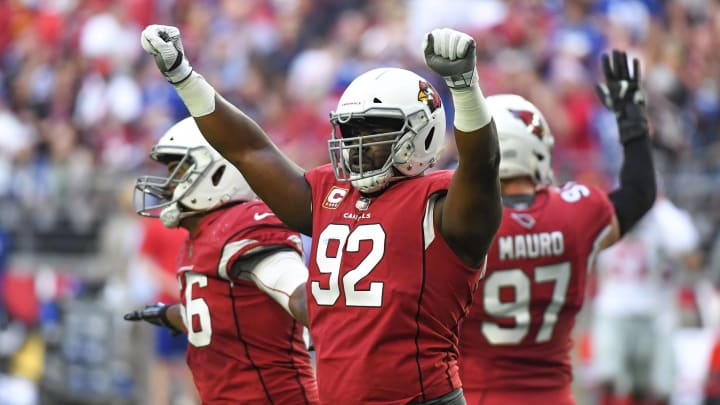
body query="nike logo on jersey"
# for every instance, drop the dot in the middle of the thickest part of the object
(258, 216)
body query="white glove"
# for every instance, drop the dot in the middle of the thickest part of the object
(163, 43)
(451, 54)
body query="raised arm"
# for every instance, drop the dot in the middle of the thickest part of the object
(470, 213)
(621, 92)
(276, 179)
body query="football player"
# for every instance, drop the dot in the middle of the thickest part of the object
(515, 345)
(241, 272)
(635, 314)
(396, 254)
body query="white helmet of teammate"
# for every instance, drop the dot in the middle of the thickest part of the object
(389, 106)
(525, 139)
(201, 180)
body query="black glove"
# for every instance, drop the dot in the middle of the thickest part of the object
(622, 94)
(155, 314)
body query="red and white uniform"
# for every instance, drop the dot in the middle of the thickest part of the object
(386, 294)
(635, 309)
(244, 348)
(515, 344)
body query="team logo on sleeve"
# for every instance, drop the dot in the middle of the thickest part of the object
(334, 197)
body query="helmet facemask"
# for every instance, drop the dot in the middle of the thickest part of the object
(363, 146)
(200, 181)
(161, 197)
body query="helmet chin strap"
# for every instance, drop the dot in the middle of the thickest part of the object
(378, 182)
(374, 183)
(171, 215)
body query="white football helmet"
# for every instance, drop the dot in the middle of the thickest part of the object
(407, 114)
(201, 181)
(525, 139)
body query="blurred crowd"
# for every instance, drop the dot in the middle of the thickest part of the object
(80, 102)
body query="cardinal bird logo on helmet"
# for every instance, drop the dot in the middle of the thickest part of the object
(428, 95)
(531, 120)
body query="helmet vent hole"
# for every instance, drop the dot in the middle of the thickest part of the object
(218, 175)
(429, 138)
(377, 101)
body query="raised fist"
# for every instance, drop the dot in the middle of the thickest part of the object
(452, 55)
(163, 43)
(623, 94)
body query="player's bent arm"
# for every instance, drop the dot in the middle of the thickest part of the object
(277, 180)
(280, 275)
(469, 214)
(621, 93)
(471, 211)
(637, 191)
(298, 305)
(162, 315)
(174, 317)
(612, 236)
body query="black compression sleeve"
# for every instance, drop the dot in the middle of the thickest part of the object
(637, 191)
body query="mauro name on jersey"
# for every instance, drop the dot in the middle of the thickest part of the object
(531, 245)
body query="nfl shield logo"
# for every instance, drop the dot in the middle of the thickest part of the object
(362, 204)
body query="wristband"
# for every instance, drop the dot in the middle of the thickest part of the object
(471, 112)
(166, 321)
(632, 123)
(197, 94)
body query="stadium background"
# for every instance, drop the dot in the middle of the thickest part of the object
(80, 105)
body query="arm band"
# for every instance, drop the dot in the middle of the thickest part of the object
(279, 274)
(471, 112)
(197, 94)
(637, 191)
(166, 321)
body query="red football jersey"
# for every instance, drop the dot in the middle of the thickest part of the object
(243, 347)
(385, 292)
(518, 333)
